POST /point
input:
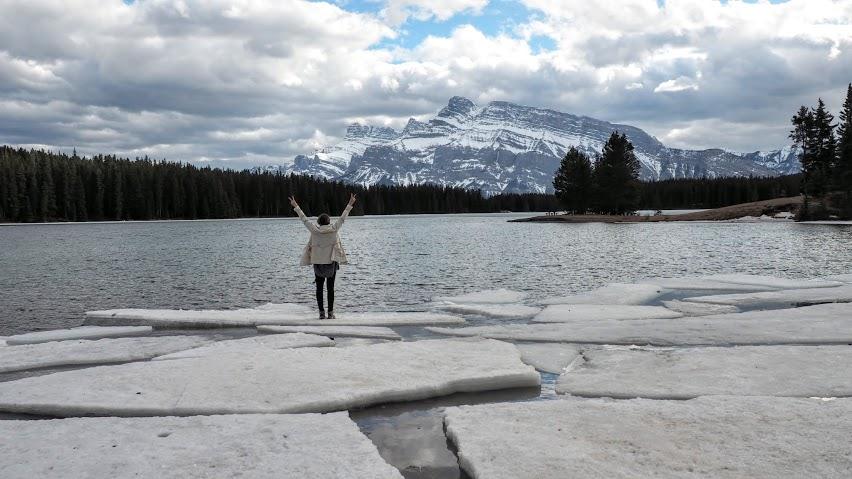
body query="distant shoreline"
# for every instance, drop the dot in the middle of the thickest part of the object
(755, 209)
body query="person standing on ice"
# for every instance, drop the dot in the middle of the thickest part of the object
(324, 251)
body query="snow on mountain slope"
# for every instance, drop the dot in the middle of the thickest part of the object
(504, 147)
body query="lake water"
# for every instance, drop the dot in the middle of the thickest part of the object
(51, 274)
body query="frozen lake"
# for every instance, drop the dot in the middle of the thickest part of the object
(50, 274)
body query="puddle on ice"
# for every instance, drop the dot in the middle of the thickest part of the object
(410, 436)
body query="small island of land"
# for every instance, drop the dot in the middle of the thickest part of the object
(754, 209)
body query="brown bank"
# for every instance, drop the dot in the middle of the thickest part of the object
(757, 208)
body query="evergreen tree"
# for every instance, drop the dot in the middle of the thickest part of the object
(616, 176)
(804, 138)
(843, 165)
(573, 182)
(826, 145)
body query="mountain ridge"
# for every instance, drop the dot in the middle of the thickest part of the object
(503, 147)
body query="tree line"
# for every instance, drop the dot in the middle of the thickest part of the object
(37, 185)
(826, 156)
(702, 193)
(610, 185)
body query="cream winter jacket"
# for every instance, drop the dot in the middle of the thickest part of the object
(324, 247)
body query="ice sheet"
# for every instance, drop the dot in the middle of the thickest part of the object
(101, 351)
(278, 314)
(738, 282)
(787, 297)
(615, 293)
(305, 445)
(491, 296)
(714, 437)
(683, 373)
(549, 357)
(83, 332)
(699, 309)
(275, 381)
(252, 343)
(334, 331)
(821, 324)
(843, 278)
(572, 313)
(493, 310)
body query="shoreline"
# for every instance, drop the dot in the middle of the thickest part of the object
(726, 213)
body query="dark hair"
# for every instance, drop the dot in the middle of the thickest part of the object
(323, 219)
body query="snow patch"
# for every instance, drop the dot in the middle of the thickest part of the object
(82, 332)
(305, 445)
(492, 296)
(739, 282)
(253, 343)
(721, 437)
(573, 313)
(614, 293)
(684, 373)
(843, 278)
(334, 331)
(274, 381)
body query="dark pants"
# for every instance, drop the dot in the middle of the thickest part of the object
(330, 282)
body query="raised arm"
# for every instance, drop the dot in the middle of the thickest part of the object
(313, 228)
(339, 222)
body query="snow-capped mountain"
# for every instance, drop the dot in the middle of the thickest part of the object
(503, 147)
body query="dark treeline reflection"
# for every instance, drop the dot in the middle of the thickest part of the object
(42, 186)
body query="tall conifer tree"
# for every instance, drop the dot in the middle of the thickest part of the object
(573, 182)
(616, 176)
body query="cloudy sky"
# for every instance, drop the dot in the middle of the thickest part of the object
(245, 82)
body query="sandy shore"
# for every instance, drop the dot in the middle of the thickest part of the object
(756, 209)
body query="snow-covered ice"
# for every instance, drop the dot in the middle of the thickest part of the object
(738, 282)
(285, 314)
(549, 357)
(821, 324)
(333, 331)
(101, 351)
(491, 296)
(292, 445)
(710, 437)
(82, 332)
(573, 313)
(492, 310)
(699, 309)
(275, 381)
(615, 293)
(683, 373)
(787, 297)
(252, 343)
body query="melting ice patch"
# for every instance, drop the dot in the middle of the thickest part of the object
(277, 314)
(615, 293)
(343, 331)
(274, 381)
(843, 278)
(102, 351)
(684, 373)
(304, 445)
(253, 343)
(789, 297)
(492, 296)
(492, 310)
(549, 357)
(721, 436)
(738, 282)
(821, 324)
(699, 309)
(83, 332)
(572, 313)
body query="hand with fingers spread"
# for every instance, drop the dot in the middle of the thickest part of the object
(293, 202)
(352, 199)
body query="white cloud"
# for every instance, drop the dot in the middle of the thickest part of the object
(263, 80)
